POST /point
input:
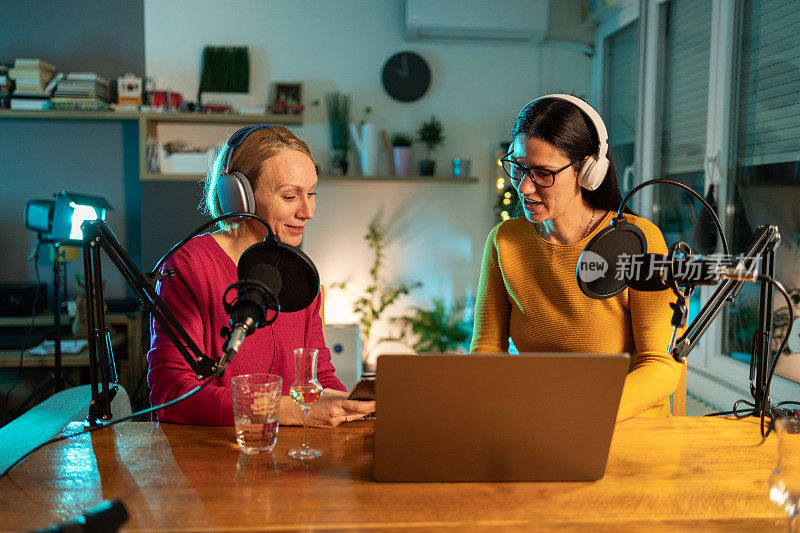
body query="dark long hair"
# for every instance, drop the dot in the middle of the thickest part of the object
(566, 127)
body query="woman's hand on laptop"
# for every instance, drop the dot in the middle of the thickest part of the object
(333, 408)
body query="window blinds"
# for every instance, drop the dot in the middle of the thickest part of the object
(769, 90)
(686, 74)
(620, 84)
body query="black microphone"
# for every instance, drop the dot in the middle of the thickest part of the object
(256, 295)
(272, 276)
(106, 517)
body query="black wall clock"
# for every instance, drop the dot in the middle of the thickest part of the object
(406, 76)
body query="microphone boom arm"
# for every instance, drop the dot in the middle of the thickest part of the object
(762, 243)
(97, 236)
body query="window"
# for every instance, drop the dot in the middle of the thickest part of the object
(684, 116)
(716, 99)
(767, 162)
(619, 98)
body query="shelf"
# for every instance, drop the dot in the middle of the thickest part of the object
(10, 358)
(398, 179)
(229, 118)
(50, 114)
(326, 177)
(171, 177)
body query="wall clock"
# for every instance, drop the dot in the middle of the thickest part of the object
(406, 76)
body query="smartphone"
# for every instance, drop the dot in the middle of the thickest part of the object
(364, 389)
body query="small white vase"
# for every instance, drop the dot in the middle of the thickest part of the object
(368, 145)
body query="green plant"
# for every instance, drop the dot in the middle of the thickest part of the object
(225, 69)
(436, 330)
(338, 106)
(401, 139)
(378, 296)
(430, 133)
(367, 112)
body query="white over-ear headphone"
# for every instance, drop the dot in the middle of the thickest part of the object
(595, 167)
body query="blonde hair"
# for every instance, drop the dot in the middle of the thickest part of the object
(248, 159)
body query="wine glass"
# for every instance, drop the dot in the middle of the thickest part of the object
(305, 391)
(784, 483)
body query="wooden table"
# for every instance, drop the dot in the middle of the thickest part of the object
(678, 474)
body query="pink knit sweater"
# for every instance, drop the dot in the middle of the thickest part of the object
(202, 273)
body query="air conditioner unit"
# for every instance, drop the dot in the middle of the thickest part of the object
(512, 21)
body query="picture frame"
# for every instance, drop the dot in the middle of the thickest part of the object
(287, 98)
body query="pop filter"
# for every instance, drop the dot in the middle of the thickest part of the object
(299, 279)
(598, 263)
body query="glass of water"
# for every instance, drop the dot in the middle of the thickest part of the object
(784, 483)
(256, 406)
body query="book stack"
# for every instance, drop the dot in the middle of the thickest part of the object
(6, 86)
(34, 81)
(83, 91)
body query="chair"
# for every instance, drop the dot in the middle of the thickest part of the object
(679, 396)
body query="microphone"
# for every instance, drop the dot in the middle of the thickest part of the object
(616, 258)
(106, 517)
(272, 276)
(256, 295)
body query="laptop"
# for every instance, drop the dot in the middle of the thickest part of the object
(496, 417)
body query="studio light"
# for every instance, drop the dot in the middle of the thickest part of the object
(59, 220)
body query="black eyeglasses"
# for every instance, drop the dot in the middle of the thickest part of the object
(540, 176)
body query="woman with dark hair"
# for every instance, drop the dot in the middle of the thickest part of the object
(568, 191)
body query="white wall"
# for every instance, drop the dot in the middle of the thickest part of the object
(435, 231)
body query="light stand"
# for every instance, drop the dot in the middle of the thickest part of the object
(55, 376)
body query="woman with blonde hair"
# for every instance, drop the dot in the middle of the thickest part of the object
(280, 176)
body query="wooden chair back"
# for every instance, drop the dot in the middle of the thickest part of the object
(679, 396)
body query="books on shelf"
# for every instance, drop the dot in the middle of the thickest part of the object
(34, 63)
(79, 104)
(33, 78)
(84, 85)
(30, 104)
(6, 86)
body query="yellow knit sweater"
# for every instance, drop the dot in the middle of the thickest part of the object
(528, 292)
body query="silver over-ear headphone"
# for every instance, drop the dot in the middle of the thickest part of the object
(234, 192)
(595, 167)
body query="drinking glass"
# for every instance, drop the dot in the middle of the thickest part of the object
(256, 406)
(305, 391)
(784, 483)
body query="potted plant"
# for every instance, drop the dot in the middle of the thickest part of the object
(430, 133)
(378, 295)
(401, 150)
(338, 106)
(437, 330)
